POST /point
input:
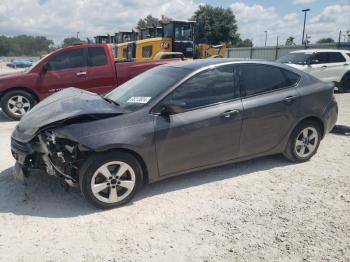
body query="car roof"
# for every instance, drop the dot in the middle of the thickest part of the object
(319, 50)
(204, 63)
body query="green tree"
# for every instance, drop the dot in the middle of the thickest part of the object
(148, 21)
(290, 40)
(325, 40)
(71, 41)
(24, 45)
(245, 43)
(215, 25)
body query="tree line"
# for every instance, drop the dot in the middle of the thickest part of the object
(24, 45)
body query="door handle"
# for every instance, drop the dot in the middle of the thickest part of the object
(346, 64)
(229, 113)
(80, 74)
(324, 66)
(290, 99)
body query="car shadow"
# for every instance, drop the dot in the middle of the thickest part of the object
(44, 196)
(341, 130)
(3, 118)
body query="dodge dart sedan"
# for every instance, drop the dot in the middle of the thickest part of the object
(171, 120)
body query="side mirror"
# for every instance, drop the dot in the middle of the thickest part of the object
(173, 107)
(46, 67)
(314, 61)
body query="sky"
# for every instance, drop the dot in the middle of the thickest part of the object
(59, 19)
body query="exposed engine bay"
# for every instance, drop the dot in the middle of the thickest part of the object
(55, 155)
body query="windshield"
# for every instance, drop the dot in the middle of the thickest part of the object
(183, 32)
(295, 58)
(141, 90)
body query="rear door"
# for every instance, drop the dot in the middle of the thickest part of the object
(328, 66)
(337, 66)
(318, 66)
(270, 105)
(100, 74)
(66, 69)
(208, 132)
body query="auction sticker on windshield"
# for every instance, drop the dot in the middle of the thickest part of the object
(139, 99)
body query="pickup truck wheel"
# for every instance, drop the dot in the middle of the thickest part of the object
(110, 179)
(345, 84)
(304, 142)
(16, 103)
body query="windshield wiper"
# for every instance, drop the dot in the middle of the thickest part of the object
(111, 101)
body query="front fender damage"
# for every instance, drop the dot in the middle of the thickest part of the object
(62, 155)
(54, 149)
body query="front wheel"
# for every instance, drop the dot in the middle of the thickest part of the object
(304, 142)
(110, 179)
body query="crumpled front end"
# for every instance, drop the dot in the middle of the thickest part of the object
(49, 153)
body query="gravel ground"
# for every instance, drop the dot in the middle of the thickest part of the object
(264, 209)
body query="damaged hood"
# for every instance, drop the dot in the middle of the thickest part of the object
(66, 105)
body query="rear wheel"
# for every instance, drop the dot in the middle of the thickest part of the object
(110, 179)
(304, 142)
(17, 103)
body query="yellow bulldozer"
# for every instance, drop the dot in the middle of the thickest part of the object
(171, 37)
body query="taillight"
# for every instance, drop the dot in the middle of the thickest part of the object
(333, 96)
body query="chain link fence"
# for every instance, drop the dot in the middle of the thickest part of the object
(273, 52)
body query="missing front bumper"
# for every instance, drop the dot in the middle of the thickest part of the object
(19, 173)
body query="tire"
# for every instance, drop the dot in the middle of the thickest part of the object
(16, 103)
(298, 148)
(111, 189)
(345, 84)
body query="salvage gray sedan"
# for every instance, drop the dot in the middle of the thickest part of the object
(171, 120)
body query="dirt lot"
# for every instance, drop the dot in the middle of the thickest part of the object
(265, 209)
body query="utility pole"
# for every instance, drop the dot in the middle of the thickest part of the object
(305, 11)
(339, 39)
(265, 37)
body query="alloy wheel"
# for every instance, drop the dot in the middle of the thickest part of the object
(306, 142)
(113, 182)
(18, 105)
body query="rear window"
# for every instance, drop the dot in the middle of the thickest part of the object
(96, 56)
(336, 57)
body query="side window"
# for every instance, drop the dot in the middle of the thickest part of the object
(255, 79)
(320, 58)
(291, 78)
(335, 57)
(96, 56)
(68, 59)
(210, 87)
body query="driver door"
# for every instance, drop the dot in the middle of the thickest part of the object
(66, 69)
(209, 130)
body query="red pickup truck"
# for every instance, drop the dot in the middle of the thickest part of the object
(89, 66)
